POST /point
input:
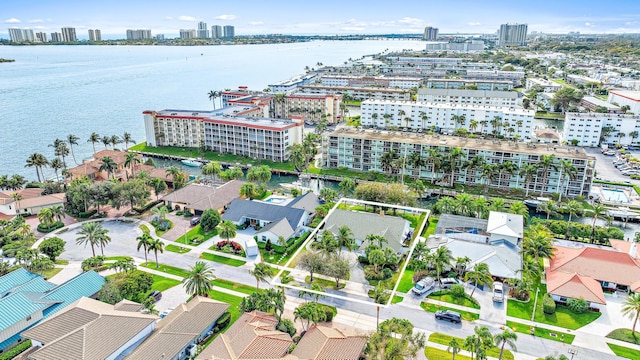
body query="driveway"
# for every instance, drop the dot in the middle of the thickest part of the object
(611, 317)
(605, 169)
(123, 241)
(180, 226)
(489, 310)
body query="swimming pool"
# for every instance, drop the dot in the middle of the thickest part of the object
(275, 200)
(614, 195)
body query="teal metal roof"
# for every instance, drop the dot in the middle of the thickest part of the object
(85, 284)
(16, 307)
(13, 279)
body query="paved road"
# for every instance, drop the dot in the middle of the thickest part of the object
(605, 169)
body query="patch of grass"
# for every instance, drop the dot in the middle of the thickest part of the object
(167, 269)
(222, 259)
(162, 283)
(540, 332)
(406, 282)
(469, 316)
(323, 282)
(624, 351)
(197, 236)
(162, 232)
(437, 354)
(431, 228)
(549, 115)
(117, 258)
(625, 335)
(62, 262)
(48, 274)
(145, 229)
(396, 299)
(232, 300)
(227, 284)
(177, 249)
(457, 301)
(444, 339)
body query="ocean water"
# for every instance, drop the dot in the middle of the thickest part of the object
(52, 91)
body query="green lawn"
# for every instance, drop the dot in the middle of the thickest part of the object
(469, 316)
(162, 283)
(406, 282)
(457, 301)
(625, 335)
(323, 282)
(444, 339)
(245, 289)
(431, 229)
(167, 269)
(234, 301)
(48, 274)
(145, 229)
(437, 354)
(197, 236)
(563, 317)
(624, 351)
(61, 262)
(549, 115)
(541, 332)
(117, 258)
(177, 249)
(222, 259)
(162, 232)
(396, 299)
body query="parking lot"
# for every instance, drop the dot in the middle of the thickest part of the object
(605, 170)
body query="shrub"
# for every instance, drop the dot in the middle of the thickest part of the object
(548, 305)
(87, 214)
(46, 229)
(370, 274)
(286, 325)
(16, 350)
(578, 305)
(457, 291)
(286, 279)
(209, 220)
(141, 209)
(222, 322)
(296, 244)
(419, 275)
(329, 311)
(267, 246)
(52, 247)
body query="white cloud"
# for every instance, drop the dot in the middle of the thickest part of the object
(39, 27)
(36, 21)
(352, 28)
(474, 24)
(226, 17)
(588, 24)
(187, 18)
(255, 23)
(410, 20)
(168, 17)
(630, 23)
(12, 21)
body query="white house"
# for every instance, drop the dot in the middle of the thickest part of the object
(505, 226)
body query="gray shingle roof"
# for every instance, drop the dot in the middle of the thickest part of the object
(262, 211)
(309, 202)
(201, 197)
(278, 228)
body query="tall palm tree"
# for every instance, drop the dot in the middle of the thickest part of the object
(596, 211)
(441, 260)
(93, 139)
(567, 172)
(538, 242)
(549, 207)
(386, 161)
(573, 207)
(464, 204)
(345, 238)
(546, 163)
(212, 168)
(38, 161)
(473, 125)
(631, 309)
(213, 95)
(416, 161)
(106, 141)
(72, 140)
(480, 275)
(199, 280)
(347, 185)
(453, 347)
(17, 197)
(227, 230)
(262, 272)
(527, 171)
(488, 174)
(376, 239)
(130, 160)
(508, 168)
(58, 212)
(435, 159)
(56, 164)
(144, 241)
(115, 140)
(126, 138)
(507, 337)
(156, 245)
(174, 172)
(92, 234)
(108, 165)
(633, 135)
(454, 155)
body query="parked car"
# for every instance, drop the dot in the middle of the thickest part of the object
(156, 295)
(195, 220)
(609, 153)
(449, 315)
(423, 286)
(166, 312)
(447, 283)
(498, 292)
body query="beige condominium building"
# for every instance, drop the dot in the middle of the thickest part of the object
(358, 93)
(234, 130)
(363, 150)
(310, 106)
(471, 97)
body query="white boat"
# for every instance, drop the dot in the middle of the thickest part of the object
(534, 203)
(191, 163)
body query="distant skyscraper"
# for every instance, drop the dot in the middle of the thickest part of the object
(95, 35)
(159, 37)
(56, 37)
(203, 32)
(186, 34)
(216, 32)
(21, 35)
(512, 35)
(139, 34)
(430, 33)
(229, 31)
(42, 37)
(69, 34)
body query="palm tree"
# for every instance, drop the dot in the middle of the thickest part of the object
(38, 161)
(156, 245)
(633, 135)
(262, 272)
(143, 242)
(130, 160)
(93, 139)
(72, 140)
(106, 141)
(248, 190)
(453, 347)
(45, 216)
(573, 207)
(464, 204)
(174, 172)
(596, 211)
(416, 161)
(56, 164)
(519, 208)
(435, 158)
(126, 139)
(386, 161)
(213, 95)
(527, 171)
(454, 155)
(480, 275)
(347, 185)
(227, 230)
(17, 197)
(212, 168)
(631, 309)
(91, 233)
(488, 174)
(346, 238)
(546, 162)
(549, 207)
(199, 280)
(620, 136)
(441, 260)
(567, 172)
(108, 165)
(473, 125)
(538, 242)
(507, 167)
(376, 239)
(507, 337)
(58, 212)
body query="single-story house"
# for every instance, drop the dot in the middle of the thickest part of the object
(505, 226)
(181, 330)
(26, 298)
(90, 329)
(252, 336)
(395, 229)
(90, 167)
(261, 214)
(196, 198)
(584, 270)
(275, 229)
(31, 201)
(321, 342)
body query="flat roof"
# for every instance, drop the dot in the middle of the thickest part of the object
(472, 81)
(631, 95)
(597, 102)
(451, 106)
(371, 77)
(467, 92)
(354, 88)
(227, 115)
(561, 151)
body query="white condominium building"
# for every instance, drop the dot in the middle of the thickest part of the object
(69, 34)
(446, 118)
(545, 85)
(471, 97)
(364, 150)
(593, 129)
(358, 93)
(623, 97)
(310, 106)
(371, 81)
(234, 130)
(514, 76)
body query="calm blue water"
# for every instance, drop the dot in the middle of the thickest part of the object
(52, 91)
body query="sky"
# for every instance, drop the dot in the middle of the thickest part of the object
(167, 17)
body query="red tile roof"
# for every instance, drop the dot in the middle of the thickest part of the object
(325, 343)
(574, 286)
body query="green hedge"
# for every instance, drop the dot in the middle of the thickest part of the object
(581, 232)
(47, 229)
(15, 351)
(141, 209)
(296, 244)
(88, 214)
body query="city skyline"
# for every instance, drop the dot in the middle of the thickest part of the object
(288, 17)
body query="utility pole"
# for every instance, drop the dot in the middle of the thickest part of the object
(535, 303)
